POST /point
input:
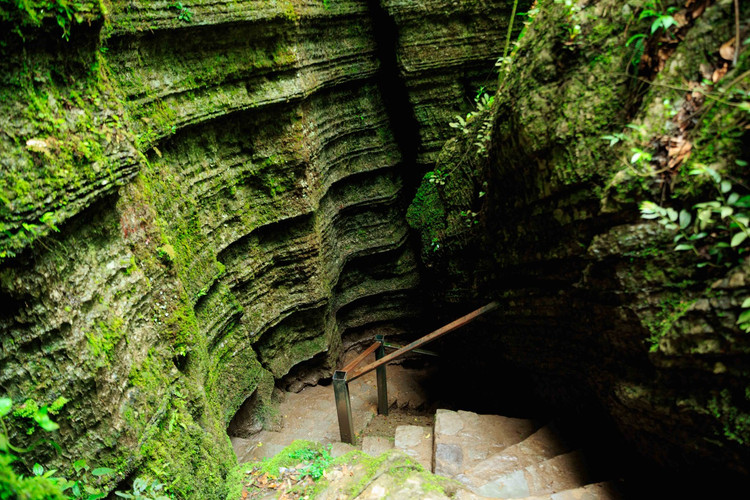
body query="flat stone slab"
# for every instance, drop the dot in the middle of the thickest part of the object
(340, 449)
(540, 446)
(464, 439)
(596, 491)
(375, 445)
(560, 473)
(563, 472)
(416, 441)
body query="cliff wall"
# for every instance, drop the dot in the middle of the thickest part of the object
(200, 198)
(601, 110)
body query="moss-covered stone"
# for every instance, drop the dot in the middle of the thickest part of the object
(559, 240)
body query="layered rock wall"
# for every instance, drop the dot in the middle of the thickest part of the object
(200, 198)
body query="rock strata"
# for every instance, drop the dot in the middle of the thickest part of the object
(200, 199)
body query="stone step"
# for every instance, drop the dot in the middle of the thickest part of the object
(596, 491)
(375, 445)
(417, 442)
(557, 474)
(464, 439)
(542, 445)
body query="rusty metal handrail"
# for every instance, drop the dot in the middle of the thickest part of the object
(341, 377)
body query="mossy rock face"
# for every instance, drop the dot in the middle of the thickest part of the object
(198, 201)
(354, 475)
(594, 300)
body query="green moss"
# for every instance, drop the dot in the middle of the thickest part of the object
(191, 458)
(426, 214)
(104, 338)
(20, 487)
(58, 147)
(671, 310)
(734, 421)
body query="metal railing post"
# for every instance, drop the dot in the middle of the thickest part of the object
(343, 406)
(382, 378)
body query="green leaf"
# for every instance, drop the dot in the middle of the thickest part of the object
(707, 204)
(103, 471)
(738, 238)
(4, 442)
(5, 405)
(726, 186)
(123, 494)
(38, 470)
(744, 317)
(685, 219)
(43, 420)
(733, 199)
(140, 485)
(683, 246)
(746, 303)
(672, 214)
(667, 22)
(726, 212)
(78, 465)
(704, 215)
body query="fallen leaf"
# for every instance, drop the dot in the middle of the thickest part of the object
(697, 12)
(719, 73)
(679, 154)
(727, 50)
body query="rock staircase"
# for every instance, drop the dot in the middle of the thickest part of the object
(490, 455)
(497, 457)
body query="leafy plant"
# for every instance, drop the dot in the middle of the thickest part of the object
(572, 28)
(713, 230)
(469, 217)
(436, 177)
(318, 461)
(183, 13)
(33, 12)
(143, 490)
(663, 20)
(85, 483)
(483, 103)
